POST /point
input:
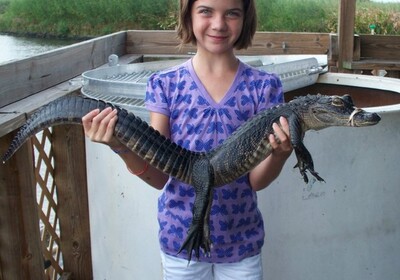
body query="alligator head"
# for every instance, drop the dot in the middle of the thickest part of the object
(325, 111)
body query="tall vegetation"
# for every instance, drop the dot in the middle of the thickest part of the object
(97, 17)
(83, 17)
(297, 15)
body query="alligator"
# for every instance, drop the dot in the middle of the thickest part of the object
(239, 154)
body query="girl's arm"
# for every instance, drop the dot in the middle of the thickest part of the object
(99, 127)
(269, 169)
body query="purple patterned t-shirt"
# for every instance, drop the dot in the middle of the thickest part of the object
(199, 124)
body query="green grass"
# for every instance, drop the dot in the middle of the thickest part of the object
(98, 17)
(83, 17)
(296, 15)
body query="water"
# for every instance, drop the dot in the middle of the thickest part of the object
(14, 48)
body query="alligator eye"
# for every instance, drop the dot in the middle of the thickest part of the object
(337, 102)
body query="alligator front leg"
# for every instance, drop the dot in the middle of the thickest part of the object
(199, 231)
(304, 158)
(305, 162)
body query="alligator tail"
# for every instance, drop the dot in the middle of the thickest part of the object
(66, 110)
(133, 132)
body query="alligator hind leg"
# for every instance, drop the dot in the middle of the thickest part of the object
(199, 231)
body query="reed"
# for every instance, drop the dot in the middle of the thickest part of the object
(83, 17)
(98, 17)
(296, 15)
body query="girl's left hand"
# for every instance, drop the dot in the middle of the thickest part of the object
(282, 147)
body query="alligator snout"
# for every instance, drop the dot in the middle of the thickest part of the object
(360, 117)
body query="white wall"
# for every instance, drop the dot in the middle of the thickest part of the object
(122, 219)
(346, 228)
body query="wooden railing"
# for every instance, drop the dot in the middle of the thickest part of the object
(61, 208)
(368, 52)
(378, 52)
(364, 54)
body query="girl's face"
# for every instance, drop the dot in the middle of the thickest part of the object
(217, 24)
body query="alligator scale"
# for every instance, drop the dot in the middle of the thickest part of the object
(204, 171)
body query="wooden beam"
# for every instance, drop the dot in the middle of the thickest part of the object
(25, 77)
(20, 247)
(14, 115)
(73, 208)
(371, 64)
(380, 47)
(264, 43)
(284, 43)
(347, 11)
(334, 48)
(66, 276)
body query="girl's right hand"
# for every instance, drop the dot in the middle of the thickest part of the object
(99, 126)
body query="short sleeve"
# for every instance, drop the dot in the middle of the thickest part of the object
(156, 99)
(272, 93)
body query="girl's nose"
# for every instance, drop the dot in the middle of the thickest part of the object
(219, 23)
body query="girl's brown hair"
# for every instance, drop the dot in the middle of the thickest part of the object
(185, 31)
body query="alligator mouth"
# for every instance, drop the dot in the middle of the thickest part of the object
(351, 118)
(363, 118)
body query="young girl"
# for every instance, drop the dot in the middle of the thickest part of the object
(198, 105)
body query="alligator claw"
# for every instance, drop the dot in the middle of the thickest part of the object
(198, 237)
(315, 174)
(305, 162)
(303, 172)
(193, 242)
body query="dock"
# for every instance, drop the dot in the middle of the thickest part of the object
(46, 182)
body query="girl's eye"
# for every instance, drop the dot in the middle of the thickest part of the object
(233, 14)
(205, 11)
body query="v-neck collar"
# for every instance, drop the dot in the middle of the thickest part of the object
(203, 91)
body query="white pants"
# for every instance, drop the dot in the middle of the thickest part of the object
(177, 269)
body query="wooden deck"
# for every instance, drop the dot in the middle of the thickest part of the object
(30, 83)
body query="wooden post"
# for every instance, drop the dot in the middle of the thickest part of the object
(20, 247)
(73, 211)
(347, 12)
